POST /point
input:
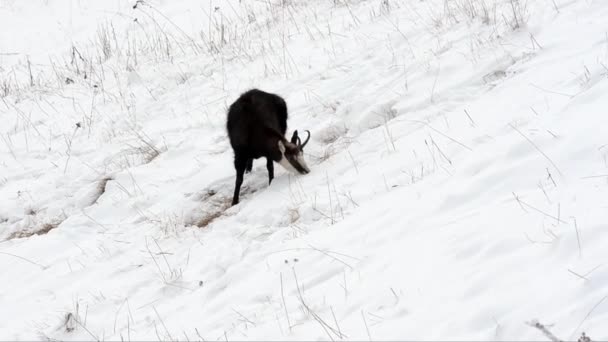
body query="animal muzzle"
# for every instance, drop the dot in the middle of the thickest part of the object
(301, 168)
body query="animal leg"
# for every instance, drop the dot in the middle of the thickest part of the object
(249, 165)
(239, 164)
(270, 167)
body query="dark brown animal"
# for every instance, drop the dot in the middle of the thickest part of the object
(257, 122)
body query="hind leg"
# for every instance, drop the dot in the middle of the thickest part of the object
(249, 165)
(239, 164)
(270, 168)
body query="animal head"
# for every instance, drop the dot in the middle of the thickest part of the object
(293, 154)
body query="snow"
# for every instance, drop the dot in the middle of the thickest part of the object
(458, 187)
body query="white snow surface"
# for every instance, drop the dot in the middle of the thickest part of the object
(459, 184)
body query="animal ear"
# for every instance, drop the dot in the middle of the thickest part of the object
(281, 147)
(294, 137)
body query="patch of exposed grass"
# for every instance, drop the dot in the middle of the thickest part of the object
(42, 230)
(101, 188)
(208, 218)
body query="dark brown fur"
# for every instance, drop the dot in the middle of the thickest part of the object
(257, 121)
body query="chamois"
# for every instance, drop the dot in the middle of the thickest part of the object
(256, 124)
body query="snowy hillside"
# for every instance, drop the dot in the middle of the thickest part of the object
(459, 184)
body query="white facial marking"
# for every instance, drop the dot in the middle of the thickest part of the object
(302, 162)
(286, 165)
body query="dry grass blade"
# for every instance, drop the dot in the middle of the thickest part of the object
(522, 203)
(538, 149)
(588, 314)
(163, 323)
(284, 304)
(544, 330)
(369, 336)
(25, 259)
(326, 327)
(331, 256)
(442, 134)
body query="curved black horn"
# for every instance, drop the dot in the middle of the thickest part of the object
(294, 137)
(305, 141)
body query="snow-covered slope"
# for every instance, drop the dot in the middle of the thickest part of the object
(459, 171)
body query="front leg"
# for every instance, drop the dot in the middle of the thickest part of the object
(270, 167)
(249, 165)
